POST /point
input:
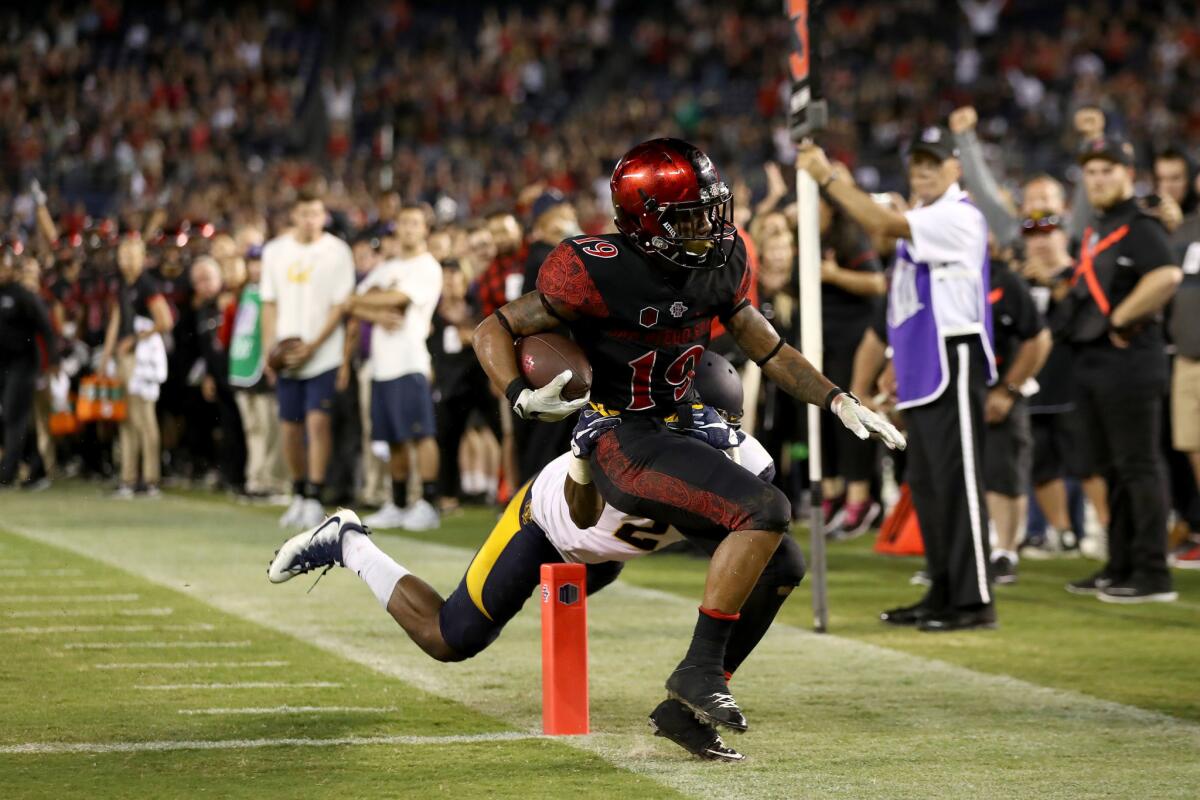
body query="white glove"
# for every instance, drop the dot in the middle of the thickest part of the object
(547, 403)
(865, 423)
(35, 189)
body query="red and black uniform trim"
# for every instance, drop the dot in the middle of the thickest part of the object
(645, 469)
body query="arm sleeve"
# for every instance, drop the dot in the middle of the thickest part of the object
(943, 232)
(564, 279)
(984, 190)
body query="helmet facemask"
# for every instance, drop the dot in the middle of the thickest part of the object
(693, 235)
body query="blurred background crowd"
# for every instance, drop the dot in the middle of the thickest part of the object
(190, 128)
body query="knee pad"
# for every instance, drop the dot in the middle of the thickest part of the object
(772, 511)
(786, 567)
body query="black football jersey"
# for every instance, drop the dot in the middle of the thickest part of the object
(642, 328)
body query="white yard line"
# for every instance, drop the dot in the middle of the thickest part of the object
(150, 645)
(52, 613)
(50, 748)
(69, 598)
(48, 629)
(25, 584)
(176, 687)
(161, 665)
(21, 572)
(190, 712)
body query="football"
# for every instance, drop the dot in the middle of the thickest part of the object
(543, 356)
(281, 350)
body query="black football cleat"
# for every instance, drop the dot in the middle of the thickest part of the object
(706, 693)
(977, 619)
(906, 615)
(674, 721)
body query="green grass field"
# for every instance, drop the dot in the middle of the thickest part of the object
(146, 655)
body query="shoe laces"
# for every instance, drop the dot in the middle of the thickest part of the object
(724, 700)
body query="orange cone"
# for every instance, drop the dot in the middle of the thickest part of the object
(900, 533)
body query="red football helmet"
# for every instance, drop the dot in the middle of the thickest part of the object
(671, 203)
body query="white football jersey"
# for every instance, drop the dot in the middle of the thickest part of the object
(617, 536)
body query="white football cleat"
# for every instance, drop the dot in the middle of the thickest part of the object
(317, 548)
(421, 516)
(389, 516)
(292, 515)
(311, 513)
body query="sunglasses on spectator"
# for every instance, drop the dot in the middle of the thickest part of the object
(1040, 223)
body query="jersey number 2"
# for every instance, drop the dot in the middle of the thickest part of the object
(680, 375)
(629, 533)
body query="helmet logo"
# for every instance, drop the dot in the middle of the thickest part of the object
(717, 191)
(659, 243)
(649, 317)
(677, 308)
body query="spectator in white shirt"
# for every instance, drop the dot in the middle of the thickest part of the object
(400, 296)
(307, 274)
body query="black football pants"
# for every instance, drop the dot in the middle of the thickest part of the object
(1118, 411)
(17, 384)
(945, 474)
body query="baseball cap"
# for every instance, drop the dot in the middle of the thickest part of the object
(936, 141)
(1111, 147)
(546, 201)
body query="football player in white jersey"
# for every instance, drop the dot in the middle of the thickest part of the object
(559, 517)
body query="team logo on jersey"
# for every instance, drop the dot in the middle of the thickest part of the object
(677, 308)
(649, 317)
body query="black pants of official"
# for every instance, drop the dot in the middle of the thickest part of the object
(17, 383)
(945, 474)
(1118, 408)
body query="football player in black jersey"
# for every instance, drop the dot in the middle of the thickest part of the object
(640, 303)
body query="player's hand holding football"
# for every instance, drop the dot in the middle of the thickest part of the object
(588, 429)
(708, 426)
(865, 423)
(547, 403)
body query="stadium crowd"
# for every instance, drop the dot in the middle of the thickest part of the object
(153, 161)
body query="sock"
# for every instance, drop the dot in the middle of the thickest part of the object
(473, 482)
(758, 612)
(299, 487)
(399, 493)
(710, 638)
(374, 566)
(314, 490)
(429, 492)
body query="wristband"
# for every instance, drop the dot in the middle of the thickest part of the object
(762, 362)
(580, 470)
(828, 402)
(514, 389)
